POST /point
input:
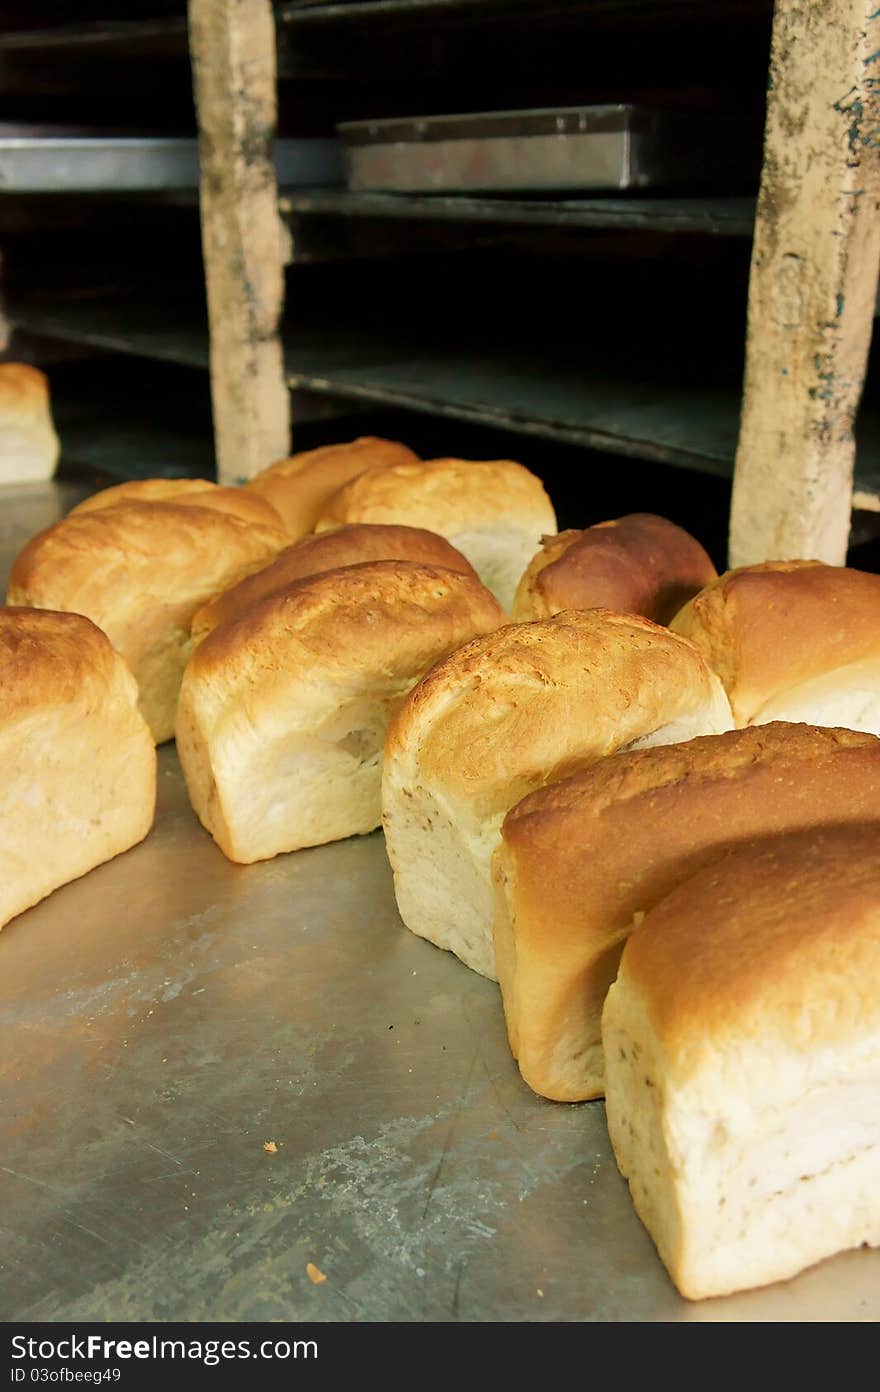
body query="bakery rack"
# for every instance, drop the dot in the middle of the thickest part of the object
(151, 1055)
(306, 65)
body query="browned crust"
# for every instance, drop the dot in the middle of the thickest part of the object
(515, 700)
(639, 564)
(330, 551)
(23, 388)
(163, 537)
(444, 495)
(299, 486)
(777, 941)
(346, 615)
(184, 493)
(48, 658)
(583, 856)
(767, 628)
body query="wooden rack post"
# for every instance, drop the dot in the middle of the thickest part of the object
(813, 284)
(232, 45)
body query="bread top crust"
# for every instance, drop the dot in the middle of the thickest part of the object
(167, 551)
(445, 495)
(640, 564)
(383, 617)
(24, 390)
(49, 659)
(366, 447)
(299, 486)
(183, 493)
(767, 628)
(778, 943)
(565, 811)
(529, 703)
(312, 555)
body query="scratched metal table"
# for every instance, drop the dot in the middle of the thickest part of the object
(170, 1013)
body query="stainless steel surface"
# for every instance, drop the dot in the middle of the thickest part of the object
(48, 162)
(595, 147)
(169, 1014)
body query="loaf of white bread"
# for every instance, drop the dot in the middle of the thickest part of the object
(579, 859)
(29, 445)
(494, 512)
(299, 487)
(283, 711)
(328, 551)
(742, 1038)
(792, 640)
(79, 764)
(185, 492)
(508, 713)
(140, 570)
(638, 564)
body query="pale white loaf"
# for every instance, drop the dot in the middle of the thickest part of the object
(493, 511)
(283, 711)
(742, 1040)
(506, 714)
(78, 783)
(29, 446)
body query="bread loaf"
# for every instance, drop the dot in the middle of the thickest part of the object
(792, 640)
(494, 512)
(640, 564)
(506, 714)
(140, 571)
(328, 551)
(579, 859)
(743, 1045)
(79, 765)
(299, 487)
(184, 493)
(29, 446)
(283, 711)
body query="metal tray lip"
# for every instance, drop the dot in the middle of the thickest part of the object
(576, 120)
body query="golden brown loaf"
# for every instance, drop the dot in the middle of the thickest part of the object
(140, 571)
(79, 765)
(639, 564)
(29, 446)
(283, 711)
(792, 640)
(184, 493)
(577, 860)
(299, 487)
(509, 713)
(494, 512)
(328, 551)
(743, 1046)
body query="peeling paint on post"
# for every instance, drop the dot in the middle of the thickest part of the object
(813, 284)
(232, 47)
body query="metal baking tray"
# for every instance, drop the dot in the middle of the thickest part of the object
(51, 159)
(619, 146)
(170, 1014)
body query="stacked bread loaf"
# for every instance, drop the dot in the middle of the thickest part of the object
(742, 1042)
(649, 806)
(140, 570)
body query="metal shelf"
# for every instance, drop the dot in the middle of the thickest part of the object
(579, 396)
(723, 217)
